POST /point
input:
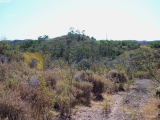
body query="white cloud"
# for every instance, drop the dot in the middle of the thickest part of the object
(5, 1)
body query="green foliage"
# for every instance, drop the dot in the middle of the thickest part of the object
(65, 96)
(24, 46)
(123, 47)
(5, 46)
(106, 105)
(150, 64)
(155, 44)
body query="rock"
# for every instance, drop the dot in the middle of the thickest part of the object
(3, 59)
(33, 82)
(77, 78)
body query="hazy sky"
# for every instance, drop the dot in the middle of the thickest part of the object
(119, 19)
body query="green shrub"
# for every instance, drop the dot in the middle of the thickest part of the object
(65, 94)
(106, 105)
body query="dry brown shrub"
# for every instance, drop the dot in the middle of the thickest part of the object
(13, 107)
(39, 98)
(24, 91)
(117, 77)
(3, 72)
(17, 65)
(100, 84)
(83, 92)
(117, 80)
(52, 77)
(19, 56)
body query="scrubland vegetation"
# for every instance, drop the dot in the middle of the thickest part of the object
(33, 94)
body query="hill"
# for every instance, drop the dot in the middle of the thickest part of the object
(29, 93)
(78, 46)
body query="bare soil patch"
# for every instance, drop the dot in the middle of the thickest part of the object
(125, 106)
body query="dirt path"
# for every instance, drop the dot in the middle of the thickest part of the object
(124, 106)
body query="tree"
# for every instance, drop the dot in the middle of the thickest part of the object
(71, 30)
(40, 37)
(149, 63)
(77, 31)
(45, 37)
(79, 38)
(62, 49)
(93, 38)
(83, 32)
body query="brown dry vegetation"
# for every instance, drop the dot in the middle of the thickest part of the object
(57, 91)
(151, 110)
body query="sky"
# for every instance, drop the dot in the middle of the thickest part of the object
(102, 19)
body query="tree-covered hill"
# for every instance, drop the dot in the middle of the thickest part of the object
(139, 56)
(75, 45)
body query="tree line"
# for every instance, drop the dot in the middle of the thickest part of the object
(77, 46)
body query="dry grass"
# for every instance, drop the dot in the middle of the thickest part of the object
(144, 46)
(143, 75)
(151, 110)
(13, 107)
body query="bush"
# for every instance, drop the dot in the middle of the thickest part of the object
(117, 77)
(100, 84)
(65, 95)
(40, 98)
(52, 77)
(70, 92)
(83, 91)
(5, 73)
(13, 107)
(106, 105)
(117, 80)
